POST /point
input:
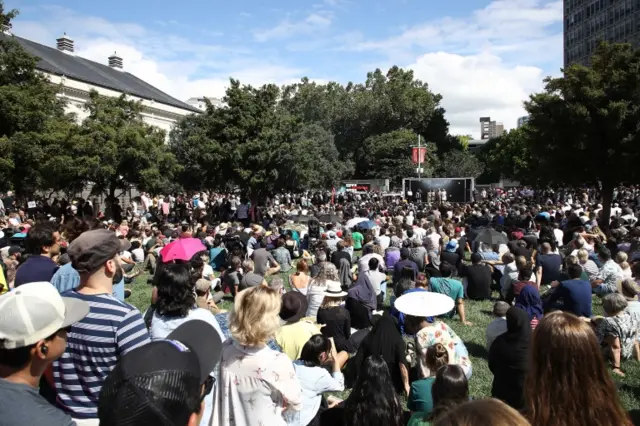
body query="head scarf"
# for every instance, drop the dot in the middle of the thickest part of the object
(529, 301)
(345, 273)
(509, 359)
(363, 292)
(383, 339)
(512, 347)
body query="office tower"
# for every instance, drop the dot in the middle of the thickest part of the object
(587, 22)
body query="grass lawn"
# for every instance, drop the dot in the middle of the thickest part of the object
(478, 313)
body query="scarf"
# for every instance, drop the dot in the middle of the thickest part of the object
(529, 301)
(363, 292)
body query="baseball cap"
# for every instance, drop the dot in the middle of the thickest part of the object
(160, 383)
(35, 311)
(202, 285)
(92, 249)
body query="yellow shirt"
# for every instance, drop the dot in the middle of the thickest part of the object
(292, 337)
(3, 282)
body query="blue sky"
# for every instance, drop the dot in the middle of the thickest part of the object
(483, 56)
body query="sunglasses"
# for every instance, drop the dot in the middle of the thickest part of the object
(208, 386)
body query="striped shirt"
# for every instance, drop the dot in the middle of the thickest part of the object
(94, 346)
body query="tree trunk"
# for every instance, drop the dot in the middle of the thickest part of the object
(607, 197)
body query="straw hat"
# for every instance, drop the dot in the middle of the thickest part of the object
(334, 289)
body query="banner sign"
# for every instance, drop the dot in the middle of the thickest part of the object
(418, 154)
(358, 187)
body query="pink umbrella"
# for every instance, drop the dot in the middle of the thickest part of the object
(182, 249)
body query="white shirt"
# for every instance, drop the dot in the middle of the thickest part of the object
(207, 271)
(385, 241)
(559, 236)
(376, 278)
(255, 387)
(138, 255)
(314, 382)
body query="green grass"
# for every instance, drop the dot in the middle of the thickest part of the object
(478, 313)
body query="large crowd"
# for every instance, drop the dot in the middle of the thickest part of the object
(329, 292)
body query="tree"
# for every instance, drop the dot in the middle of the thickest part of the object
(583, 129)
(383, 103)
(460, 164)
(508, 156)
(463, 141)
(33, 125)
(314, 160)
(388, 156)
(120, 150)
(194, 145)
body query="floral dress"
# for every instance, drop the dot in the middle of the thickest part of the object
(624, 326)
(257, 387)
(439, 332)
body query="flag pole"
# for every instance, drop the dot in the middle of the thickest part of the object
(419, 158)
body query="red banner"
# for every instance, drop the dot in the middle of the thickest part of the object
(418, 154)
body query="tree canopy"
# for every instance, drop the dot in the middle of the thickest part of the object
(584, 127)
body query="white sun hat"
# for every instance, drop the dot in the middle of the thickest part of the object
(424, 304)
(334, 289)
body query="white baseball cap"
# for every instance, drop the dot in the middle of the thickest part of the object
(35, 311)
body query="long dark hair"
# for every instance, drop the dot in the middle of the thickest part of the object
(373, 400)
(176, 295)
(451, 388)
(311, 351)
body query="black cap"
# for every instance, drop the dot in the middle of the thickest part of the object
(161, 383)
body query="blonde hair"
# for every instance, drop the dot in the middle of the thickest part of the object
(329, 302)
(621, 259)
(482, 412)
(583, 255)
(254, 319)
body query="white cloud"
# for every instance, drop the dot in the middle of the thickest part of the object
(478, 85)
(288, 28)
(181, 67)
(485, 64)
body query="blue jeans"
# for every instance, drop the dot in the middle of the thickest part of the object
(602, 290)
(383, 289)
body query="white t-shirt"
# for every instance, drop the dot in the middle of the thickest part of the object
(207, 271)
(138, 255)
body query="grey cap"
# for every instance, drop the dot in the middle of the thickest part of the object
(92, 249)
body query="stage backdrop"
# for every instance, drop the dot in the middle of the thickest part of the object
(459, 190)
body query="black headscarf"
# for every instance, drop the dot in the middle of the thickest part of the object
(385, 340)
(509, 359)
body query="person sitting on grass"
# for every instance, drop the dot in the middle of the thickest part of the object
(428, 332)
(311, 370)
(420, 399)
(450, 389)
(452, 288)
(372, 402)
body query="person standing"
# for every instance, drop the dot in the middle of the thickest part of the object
(110, 330)
(33, 334)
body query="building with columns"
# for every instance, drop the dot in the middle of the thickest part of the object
(77, 76)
